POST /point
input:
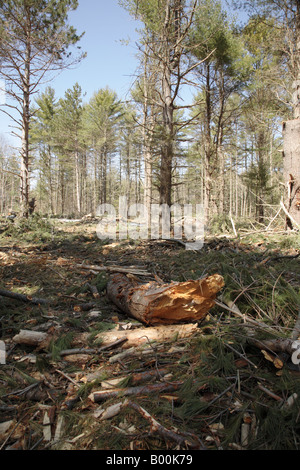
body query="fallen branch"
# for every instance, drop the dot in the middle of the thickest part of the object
(135, 378)
(71, 352)
(84, 307)
(276, 258)
(103, 395)
(270, 393)
(41, 339)
(275, 345)
(23, 298)
(235, 310)
(275, 216)
(109, 339)
(116, 269)
(153, 303)
(93, 290)
(185, 440)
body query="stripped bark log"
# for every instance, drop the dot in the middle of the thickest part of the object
(142, 336)
(153, 303)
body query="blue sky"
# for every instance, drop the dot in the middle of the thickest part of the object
(108, 63)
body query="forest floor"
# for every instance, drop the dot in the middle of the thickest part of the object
(228, 393)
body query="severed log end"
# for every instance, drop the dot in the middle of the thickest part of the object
(32, 338)
(153, 303)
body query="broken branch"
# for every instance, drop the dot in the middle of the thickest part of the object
(115, 269)
(185, 440)
(23, 298)
(102, 395)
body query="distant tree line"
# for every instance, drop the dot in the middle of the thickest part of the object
(220, 147)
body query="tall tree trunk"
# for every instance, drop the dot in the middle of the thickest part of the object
(104, 176)
(167, 149)
(24, 180)
(62, 191)
(147, 135)
(207, 149)
(50, 180)
(291, 142)
(261, 149)
(219, 143)
(77, 183)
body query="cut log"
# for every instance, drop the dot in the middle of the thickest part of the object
(31, 338)
(153, 303)
(141, 336)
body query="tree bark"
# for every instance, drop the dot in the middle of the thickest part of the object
(291, 153)
(291, 136)
(24, 189)
(167, 148)
(154, 303)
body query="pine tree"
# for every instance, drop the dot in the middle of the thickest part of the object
(35, 39)
(224, 72)
(100, 127)
(69, 145)
(42, 134)
(164, 47)
(285, 16)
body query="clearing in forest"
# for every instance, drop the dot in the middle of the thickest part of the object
(76, 374)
